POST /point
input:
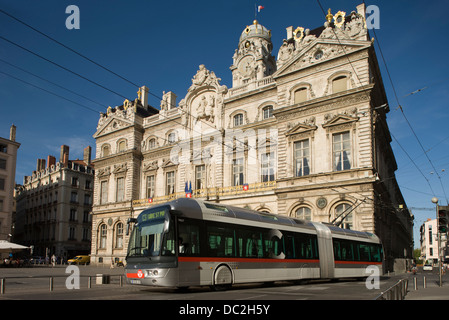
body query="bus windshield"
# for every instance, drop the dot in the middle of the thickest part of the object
(148, 234)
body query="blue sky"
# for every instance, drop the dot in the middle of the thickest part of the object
(160, 44)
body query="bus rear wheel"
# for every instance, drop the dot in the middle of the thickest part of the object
(222, 279)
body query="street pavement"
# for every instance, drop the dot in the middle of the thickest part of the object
(52, 283)
(426, 286)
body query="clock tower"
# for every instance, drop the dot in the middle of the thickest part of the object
(252, 59)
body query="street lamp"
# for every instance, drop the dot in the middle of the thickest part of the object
(435, 201)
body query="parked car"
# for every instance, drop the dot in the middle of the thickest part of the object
(427, 267)
(80, 260)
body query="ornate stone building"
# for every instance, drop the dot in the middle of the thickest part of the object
(303, 134)
(54, 206)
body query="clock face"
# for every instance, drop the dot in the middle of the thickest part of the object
(246, 66)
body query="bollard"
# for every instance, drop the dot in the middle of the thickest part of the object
(424, 279)
(121, 281)
(51, 284)
(89, 282)
(2, 286)
(415, 283)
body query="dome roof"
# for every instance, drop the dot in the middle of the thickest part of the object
(255, 30)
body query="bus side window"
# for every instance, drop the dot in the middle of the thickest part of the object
(188, 239)
(220, 241)
(289, 247)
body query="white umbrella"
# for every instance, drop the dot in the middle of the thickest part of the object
(6, 246)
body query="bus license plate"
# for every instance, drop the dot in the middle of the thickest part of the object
(133, 281)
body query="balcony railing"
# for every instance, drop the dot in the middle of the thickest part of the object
(210, 193)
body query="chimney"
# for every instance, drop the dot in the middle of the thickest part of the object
(40, 165)
(51, 161)
(87, 155)
(144, 96)
(12, 133)
(289, 32)
(64, 157)
(171, 100)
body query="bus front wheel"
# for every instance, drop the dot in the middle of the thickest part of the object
(222, 278)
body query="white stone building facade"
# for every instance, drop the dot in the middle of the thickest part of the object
(303, 134)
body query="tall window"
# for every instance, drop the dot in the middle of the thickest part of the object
(268, 112)
(172, 137)
(150, 186)
(105, 150)
(339, 84)
(103, 236)
(170, 183)
(237, 172)
(344, 211)
(3, 164)
(72, 232)
(304, 213)
(341, 151)
(121, 146)
(268, 166)
(238, 120)
(301, 158)
(120, 192)
(300, 95)
(119, 235)
(73, 197)
(200, 177)
(151, 144)
(73, 215)
(103, 192)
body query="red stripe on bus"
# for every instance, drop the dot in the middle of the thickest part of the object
(356, 262)
(132, 275)
(205, 259)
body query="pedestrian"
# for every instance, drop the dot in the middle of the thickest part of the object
(53, 260)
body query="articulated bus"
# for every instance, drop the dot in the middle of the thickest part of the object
(188, 242)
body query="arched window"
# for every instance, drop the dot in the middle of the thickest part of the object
(344, 211)
(304, 213)
(119, 235)
(340, 84)
(300, 95)
(151, 143)
(105, 150)
(171, 137)
(267, 112)
(238, 120)
(121, 146)
(103, 233)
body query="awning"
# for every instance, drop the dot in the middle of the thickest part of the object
(6, 246)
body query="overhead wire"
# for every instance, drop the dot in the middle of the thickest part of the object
(406, 119)
(107, 69)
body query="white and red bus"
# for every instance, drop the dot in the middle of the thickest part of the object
(188, 242)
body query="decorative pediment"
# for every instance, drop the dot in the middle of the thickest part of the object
(120, 168)
(150, 166)
(168, 163)
(305, 128)
(103, 172)
(341, 120)
(112, 124)
(319, 51)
